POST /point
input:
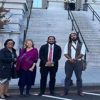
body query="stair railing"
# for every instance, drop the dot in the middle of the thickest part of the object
(94, 13)
(27, 23)
(76, 27)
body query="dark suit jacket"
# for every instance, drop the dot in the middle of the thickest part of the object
(43, 55)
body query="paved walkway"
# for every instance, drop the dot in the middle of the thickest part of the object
(91, 93)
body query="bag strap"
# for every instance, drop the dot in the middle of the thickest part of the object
(75, 50)
(73, 47)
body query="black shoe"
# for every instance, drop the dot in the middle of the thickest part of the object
(2, 97)
(6, 95)
(64, 94)
(21, 95)
(52, 93)
(81, 94)
(71, 83)
(28, 94)
(40, 94)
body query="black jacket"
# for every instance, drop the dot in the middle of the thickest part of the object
(6, 61)
(43, 55)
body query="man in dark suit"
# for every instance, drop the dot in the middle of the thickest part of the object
(49, 55)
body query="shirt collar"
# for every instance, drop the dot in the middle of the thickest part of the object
(50, 45)
(75, 42)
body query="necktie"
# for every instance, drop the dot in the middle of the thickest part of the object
(50, 54)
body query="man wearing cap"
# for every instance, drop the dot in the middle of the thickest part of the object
(74, 51)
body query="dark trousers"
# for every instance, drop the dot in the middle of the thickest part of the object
(69, 68)
(27, 78)
(21, 88)
(44, 73)
(24, 81)
(72, 6)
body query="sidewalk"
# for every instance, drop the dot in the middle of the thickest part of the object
(58, 91)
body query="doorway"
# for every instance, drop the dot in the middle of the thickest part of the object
(37, 4)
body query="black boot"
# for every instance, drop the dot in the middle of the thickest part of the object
(28, 90)
(52, 93)
(21, 88)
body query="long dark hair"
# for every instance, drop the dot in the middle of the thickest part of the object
(78, 39)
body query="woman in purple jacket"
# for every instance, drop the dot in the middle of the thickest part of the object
(26, 66)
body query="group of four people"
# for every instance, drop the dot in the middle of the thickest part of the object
(49, 54)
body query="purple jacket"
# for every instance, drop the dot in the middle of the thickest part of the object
(26, 59)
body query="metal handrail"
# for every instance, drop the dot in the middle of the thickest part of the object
(76, 27)
(94, 13)
(27, 25)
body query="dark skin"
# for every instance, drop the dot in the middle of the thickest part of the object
(74, 39)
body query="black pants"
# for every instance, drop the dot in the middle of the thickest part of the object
(72, 6)
(69, 68)
(27, 78)
(44, 73)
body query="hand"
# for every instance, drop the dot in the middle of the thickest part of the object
(72, 61)
(31, 69)
(48, 63)
(6, 21)
(75, 60)
(14, 60)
